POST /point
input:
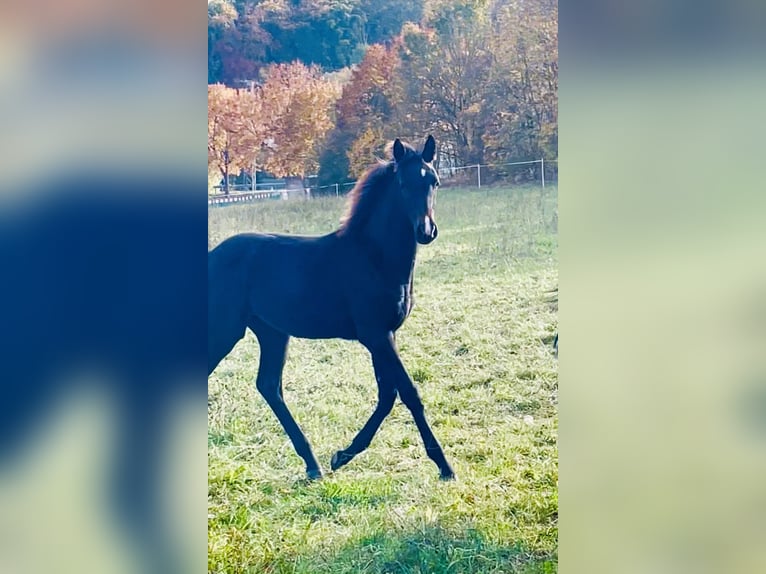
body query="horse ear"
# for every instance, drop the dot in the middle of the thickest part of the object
(398, 150)
(429, 150)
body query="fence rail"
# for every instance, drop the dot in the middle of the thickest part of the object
(541, 170)
(239, 187)
(245, 196)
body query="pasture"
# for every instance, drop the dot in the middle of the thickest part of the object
(477, 345)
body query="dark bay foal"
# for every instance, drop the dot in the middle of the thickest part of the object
(355, 283)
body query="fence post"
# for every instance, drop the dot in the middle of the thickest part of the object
(336, 190)
(542, 170)
(478, 172)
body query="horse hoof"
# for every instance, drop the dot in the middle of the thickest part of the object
(339, 459)
(446, 476)
(314, 474)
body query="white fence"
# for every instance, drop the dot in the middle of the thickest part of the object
(511, 172)
(477, 175)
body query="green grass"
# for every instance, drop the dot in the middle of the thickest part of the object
(477, 345)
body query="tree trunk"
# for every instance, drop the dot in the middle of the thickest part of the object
(226, 172)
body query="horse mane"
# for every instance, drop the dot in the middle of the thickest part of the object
(365, 194)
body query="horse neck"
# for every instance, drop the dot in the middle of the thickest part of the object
(392, 237)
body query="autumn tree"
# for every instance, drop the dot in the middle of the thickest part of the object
(383, 21)
(278, 125)
(245, 36)
(224, 132)
(238, 42)
(328, 33)
(523, 94)
(481, 75)
(446, 66)
(366, 114)
(297, 103)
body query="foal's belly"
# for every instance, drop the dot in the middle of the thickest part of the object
(295, 288)
(320, 313)
(308, 316)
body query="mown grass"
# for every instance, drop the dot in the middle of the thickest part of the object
(477, 345)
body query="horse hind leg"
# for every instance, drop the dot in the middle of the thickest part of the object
(269, 383)
(221, 340)
(226, 325)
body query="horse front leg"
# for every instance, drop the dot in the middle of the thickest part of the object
(391, 374)
(386, 399)
(410, 397)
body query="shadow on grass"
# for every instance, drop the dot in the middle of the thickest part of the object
(431, 550)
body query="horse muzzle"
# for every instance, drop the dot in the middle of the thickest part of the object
(426, 230)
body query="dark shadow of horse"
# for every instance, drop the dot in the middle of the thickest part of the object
(355, 283)
(106, 277)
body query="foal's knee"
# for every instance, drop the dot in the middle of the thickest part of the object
(267, 386)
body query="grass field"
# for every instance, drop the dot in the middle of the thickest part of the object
(477, 345)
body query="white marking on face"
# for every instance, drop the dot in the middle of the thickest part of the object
(423, 172)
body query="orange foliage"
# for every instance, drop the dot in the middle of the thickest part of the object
(278, 125)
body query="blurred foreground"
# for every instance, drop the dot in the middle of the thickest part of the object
(102, 297)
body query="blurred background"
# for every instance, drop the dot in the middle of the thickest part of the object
(663, 370)
(102, 242)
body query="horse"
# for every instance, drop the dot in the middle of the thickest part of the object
(355, 283)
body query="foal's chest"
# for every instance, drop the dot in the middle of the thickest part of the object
(404, 305)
